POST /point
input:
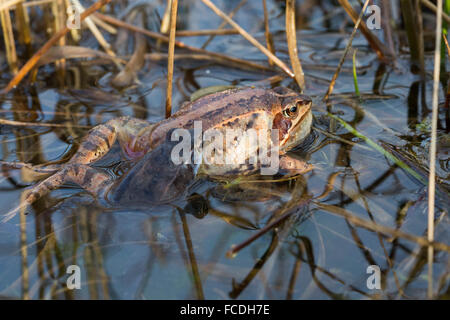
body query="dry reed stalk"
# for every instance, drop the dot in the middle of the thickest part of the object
(50, 43)
(98, 35)
(446, 44)
(8, 36)
(430, 5)
(173, 27)
(249, 38)
(374, 42)
(165, 22)
(37, 3)
(434, 118)
(104, 25)
(269, 40)
(224, 23)
(349, 44)
(386, 23)
(5, 4)
(291, 36)
(180, 44)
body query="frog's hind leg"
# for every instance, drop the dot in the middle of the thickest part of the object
(93, 147)
(90, 179)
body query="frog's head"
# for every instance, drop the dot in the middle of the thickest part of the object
(292, 118)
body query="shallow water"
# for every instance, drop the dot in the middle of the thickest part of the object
(158, 253)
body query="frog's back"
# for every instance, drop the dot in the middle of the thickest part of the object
(218, 109)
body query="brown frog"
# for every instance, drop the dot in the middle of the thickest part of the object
(153, 177)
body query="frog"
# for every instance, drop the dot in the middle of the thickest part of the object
(151, 177)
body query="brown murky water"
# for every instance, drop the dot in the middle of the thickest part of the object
(158, 253)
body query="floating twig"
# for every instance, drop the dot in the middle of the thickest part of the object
(180, 44)
(224, 23)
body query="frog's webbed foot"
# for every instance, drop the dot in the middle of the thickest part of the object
(293, 166)
(90, 179)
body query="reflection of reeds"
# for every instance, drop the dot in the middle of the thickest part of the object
(23, 22)
(8, 36)
(413, 24)
(52, 41)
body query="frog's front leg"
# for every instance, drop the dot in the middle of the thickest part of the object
(292, 166)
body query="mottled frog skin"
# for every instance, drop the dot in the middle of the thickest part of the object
(153, 178)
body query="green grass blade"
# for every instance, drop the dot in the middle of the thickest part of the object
(355, 77)
(380, 149)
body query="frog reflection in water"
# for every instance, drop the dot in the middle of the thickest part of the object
(153, 178)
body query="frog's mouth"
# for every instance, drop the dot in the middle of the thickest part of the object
(296, 133)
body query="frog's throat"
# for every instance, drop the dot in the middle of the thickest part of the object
(295, 127)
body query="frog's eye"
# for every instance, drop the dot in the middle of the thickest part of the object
(290, 112)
